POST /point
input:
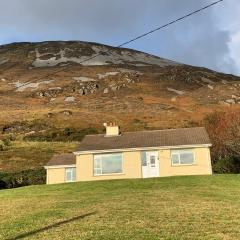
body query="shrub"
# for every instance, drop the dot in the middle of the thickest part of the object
(229, 164)
(2, 146)
(6, 141)
(23, 126)
(65, 135)
(224, 132)
(139, 123)
(23, 178)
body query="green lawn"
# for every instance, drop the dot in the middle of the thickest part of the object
(197, 207)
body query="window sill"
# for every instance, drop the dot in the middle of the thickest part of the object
(109, 174)
(183, 165)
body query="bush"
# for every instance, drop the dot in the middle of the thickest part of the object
(23, 178)
(2, 146)
(65, 135)
(6, 141)
(224, 132)
(24, 126)
(229, 164)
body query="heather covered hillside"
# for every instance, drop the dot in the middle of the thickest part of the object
(64, 84)
(61, 91)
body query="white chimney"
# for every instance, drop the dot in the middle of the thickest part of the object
(111, 129)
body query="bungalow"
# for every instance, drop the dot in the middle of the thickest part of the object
(143, 154)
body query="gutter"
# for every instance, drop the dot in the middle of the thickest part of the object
(141, 149)
(59, 166)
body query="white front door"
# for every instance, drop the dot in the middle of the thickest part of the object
(150, 167)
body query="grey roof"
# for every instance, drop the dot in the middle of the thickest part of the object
(141, 139)
(62, 159)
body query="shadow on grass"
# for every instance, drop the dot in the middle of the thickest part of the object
(28, 234)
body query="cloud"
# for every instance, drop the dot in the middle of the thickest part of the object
(234, 48)
(208, 39)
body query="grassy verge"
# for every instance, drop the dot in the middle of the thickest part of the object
(191, 207)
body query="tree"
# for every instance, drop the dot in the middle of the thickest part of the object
(224, 131)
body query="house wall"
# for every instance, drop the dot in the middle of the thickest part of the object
(131, 167)
(201, 166)
(55, 175)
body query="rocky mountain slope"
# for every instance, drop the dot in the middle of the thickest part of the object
(63, 84)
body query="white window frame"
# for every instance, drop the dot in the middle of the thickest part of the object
(95, 156)
(180, 151)
(68, 169)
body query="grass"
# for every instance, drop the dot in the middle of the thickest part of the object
(176, 208)
(23, 155)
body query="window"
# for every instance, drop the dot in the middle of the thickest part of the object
(108, 164)
(182, 157)
(152, 160)
(70, 174)
(144, 158)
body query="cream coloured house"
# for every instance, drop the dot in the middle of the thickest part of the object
(143, 154)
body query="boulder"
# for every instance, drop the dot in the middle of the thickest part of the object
(115, 88)
(210, 86)
(230, 101)
(67, 113)
(69, 99)
(224, 103)
(30, 133)
(81, 92)
(105, 91)
(40, 94)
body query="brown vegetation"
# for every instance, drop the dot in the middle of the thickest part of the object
(137, 97)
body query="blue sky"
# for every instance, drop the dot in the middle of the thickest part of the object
(210, 39)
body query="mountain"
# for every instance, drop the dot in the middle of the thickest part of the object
(63, 84)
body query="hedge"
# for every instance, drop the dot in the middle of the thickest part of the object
(23, 178)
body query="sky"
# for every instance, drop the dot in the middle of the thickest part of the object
(210, 39)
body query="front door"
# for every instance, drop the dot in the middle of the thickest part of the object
(150, 167)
